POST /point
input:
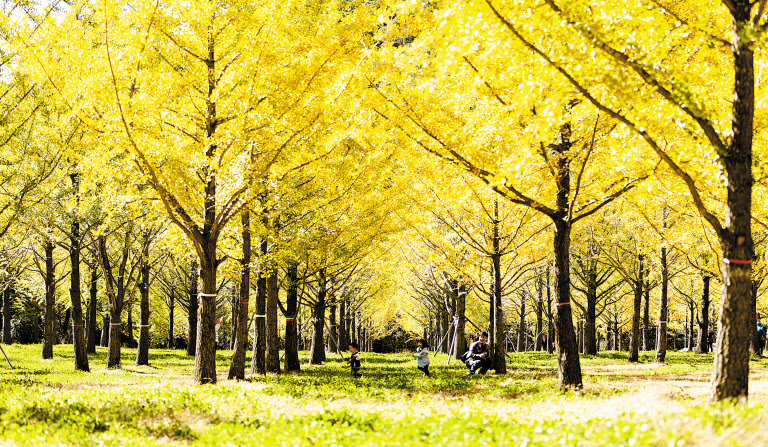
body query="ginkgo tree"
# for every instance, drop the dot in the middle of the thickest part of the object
(202, 97)
(686, 87)
(545, 147)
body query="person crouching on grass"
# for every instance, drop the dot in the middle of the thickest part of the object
(422, 354)
(477, 358)
(354, 360)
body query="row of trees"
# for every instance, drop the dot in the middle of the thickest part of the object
(207, 113)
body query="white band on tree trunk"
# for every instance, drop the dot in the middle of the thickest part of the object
(143, 325)
(207, 294)
(259, 316)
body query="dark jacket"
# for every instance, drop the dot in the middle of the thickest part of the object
(478, 348)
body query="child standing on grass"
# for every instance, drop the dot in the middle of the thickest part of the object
(354, 360)
(422, 354)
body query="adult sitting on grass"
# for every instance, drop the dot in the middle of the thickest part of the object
(478, 358)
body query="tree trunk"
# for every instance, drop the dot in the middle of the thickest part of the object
(317, 348)
(755, 342)
(569, 367)
(446, 326)
(661, 330)
(634, 338)
(590, 340)
(92, 312)
(193, 309)
(142, 352)
(7, 316)
(104, 342)
(550, 326)
(499, 345)
(237, 367)
(130, 320)
(233, 312)
(78, 328)
(343, 343)
(115, 340)
(690, 327)
(258, 356)
(273, 339)
(49, 321)
(731, 369)
(333, 336)
(205, 349)
(646, 317)
(701, 340)
(171, 308)
(521, 327)
(539, 317)
(291, 323)
(460, 343)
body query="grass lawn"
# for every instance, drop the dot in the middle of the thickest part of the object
(44, 402)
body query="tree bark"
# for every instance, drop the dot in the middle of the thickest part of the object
(92, 312)
(7, 316)
(273, 340)
(193, 309)
(104, 342)
(661, 330)
(550, 326)
(78, 328)
(171, 308)
(539, 317)
(730, 375)
(237, 367)
(291, 323)
(205, 349)
(333, 335)
(634, 338)
(646, 317)
(521, 327)
(701, 340)
(343, 343)
(590, 341)
(499, 345)
(755, 342)
(569, 367)
(690, 326)
(258, 357)
(115, 342)
(129, 325)
(142, 352)
(49, 321)
(460, 343)
(317, 348)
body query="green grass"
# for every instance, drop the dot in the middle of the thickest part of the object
(47, 403)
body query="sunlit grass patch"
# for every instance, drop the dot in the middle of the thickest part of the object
(45, 402)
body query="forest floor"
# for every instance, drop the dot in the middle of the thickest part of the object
(45, 402)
